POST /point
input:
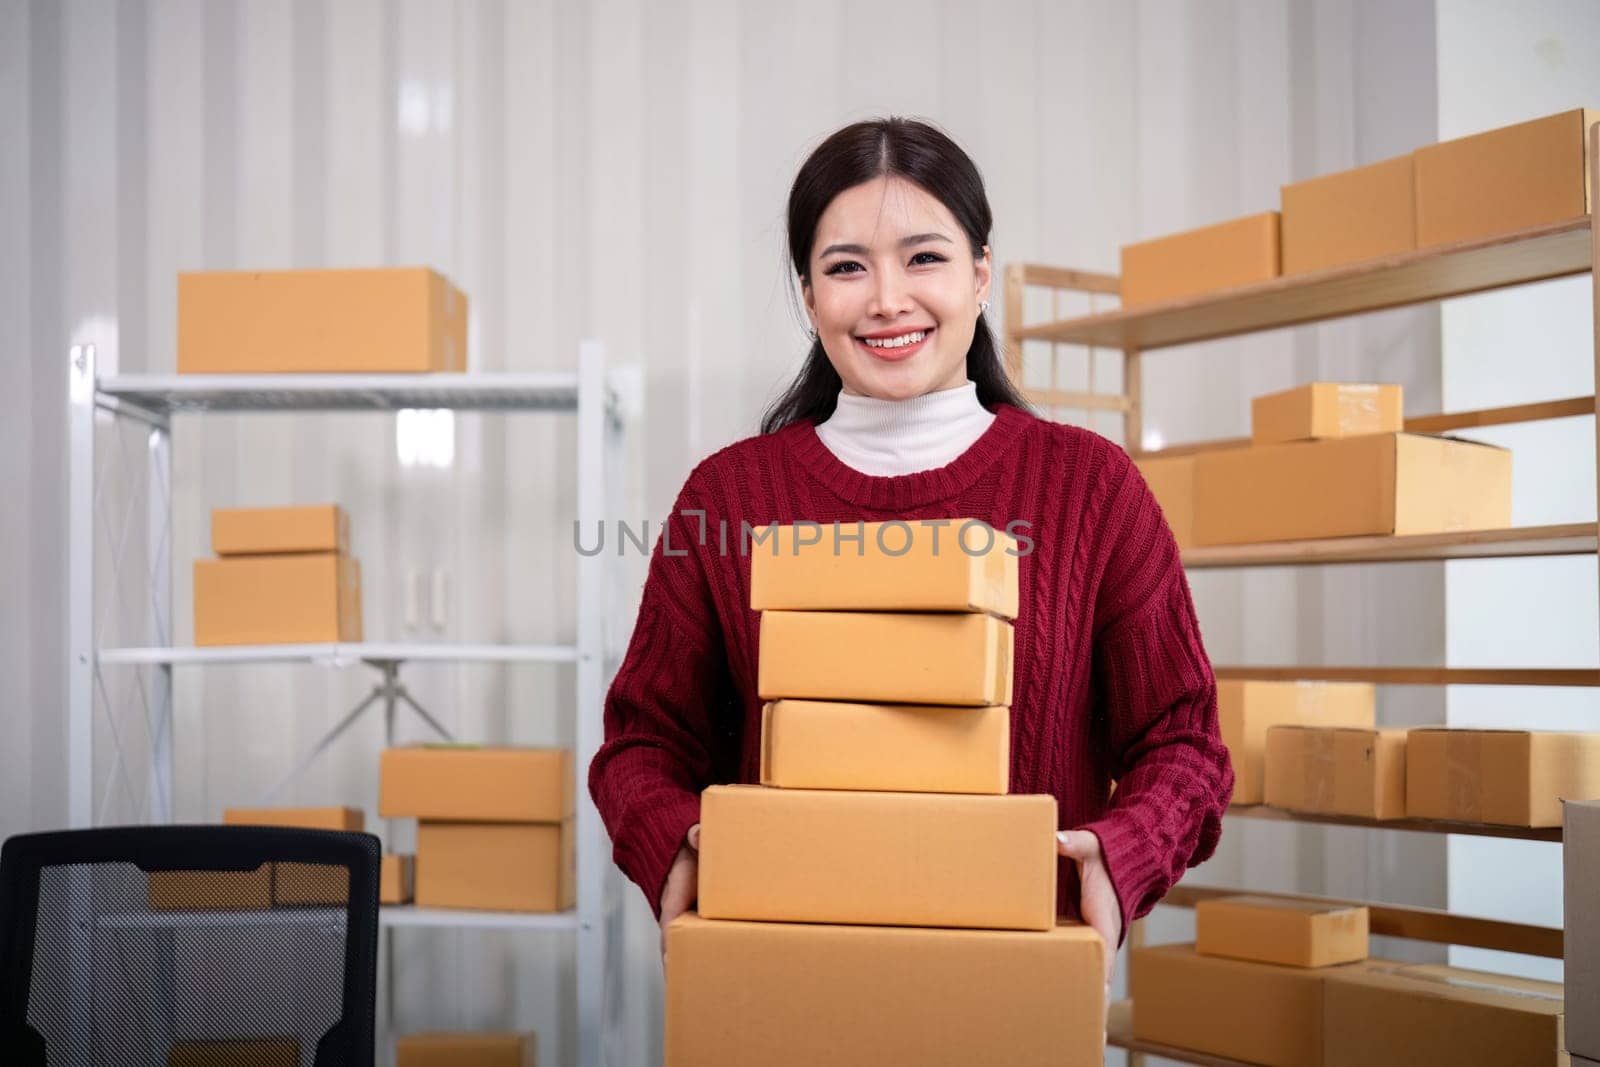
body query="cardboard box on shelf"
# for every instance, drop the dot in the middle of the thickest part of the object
(1337, 770)
(304, 883)
(927, 565)
(1203, 260)
(211, 890)
(799, 995)
(274, 600)
(495, 866)
(1246, 710)
(1171, 481)
(276, 531)
(1581, 872)
(1349, 216)
(1383, 484)
(1509, 179)
(408, 320)
(1504, 777)
(1294, 933)
(916, 748)
(466, 1050)
(882, 657)
(348, 819)
(890, 859)
(472, 783)
(397, 879)
(242, 1052)
(1430, 1013)
(1326, 411)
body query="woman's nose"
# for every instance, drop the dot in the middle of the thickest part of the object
(890, 296)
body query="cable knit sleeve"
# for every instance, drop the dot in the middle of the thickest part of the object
(1155, 704)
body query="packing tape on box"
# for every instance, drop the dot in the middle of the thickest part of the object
(1321, 762)
(1486, 984)
(1463, 774)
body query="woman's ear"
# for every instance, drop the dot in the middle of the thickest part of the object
(983, 271)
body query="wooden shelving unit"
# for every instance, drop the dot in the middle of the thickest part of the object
(1419, 826)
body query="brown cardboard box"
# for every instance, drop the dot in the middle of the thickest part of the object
(1505, 777)
(304, 883)
(244, 1052)
(1326, 410)
(1581, 872)
(1171, 480)
(276, 600)
(1245, 711)
(401, 319)
(1350, 216)
(882, 657)
(1508, 179)
(798, 995)
(495, 866)
(951, 565)
(913, 748)
(1378, 484)
(397, 879)
(1211, 258)
(274, 531)
(466, 1050)
(1337, 770)
(887, 859)
(1430, 1013)
(348, 819)
(468, 783)
(211, 890)
(1294, 933)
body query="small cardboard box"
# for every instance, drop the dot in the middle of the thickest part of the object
(931, 565)
(466, 1050)
(882, 657)
(407, 320)
(887, 859)
(1430, 1013)
(397, 879)
(1294, 933)
(1504, 777)
(496, 866)
(800, 995)
(1246, 710)
(211, 890)
(1171, 481)
(469, 783)
(275, 531)
(1326, 411)
(347, 819)
(912, 748)
(304, 883)
(1337, 770)
(1350, 216)
(243, 1052)
(1204, 260)
(1581, 870)
(1505, 180)
(1377, 484)
(277, 600)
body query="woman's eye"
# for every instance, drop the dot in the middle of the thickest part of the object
(839, 268)
(933, 257)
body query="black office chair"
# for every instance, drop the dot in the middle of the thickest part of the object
(172, 946)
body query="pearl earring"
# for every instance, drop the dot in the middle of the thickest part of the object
(983, 307)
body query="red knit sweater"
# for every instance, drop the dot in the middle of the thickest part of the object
(1111, 680)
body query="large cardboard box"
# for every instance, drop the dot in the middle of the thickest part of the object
(275, 600)
(1294, 933)
(1581, 870)
(913, 748)
(1325, 411)
(347, 819)
(1337, 770)
(211, 890)
(466, 1050)
(792, 995)
(1171, 481)
(889, 859)
(1430, 1013)
(304, 883)
(400, 319)
(243, 1052)
(496, 866)
(1508, 179)
(1505, 777)
(1350, 216)
(397, 879)
(1378, 484)
(1246, 710)
(882, 657)
(927, 565)
(469, 783)
(275, 531)
(1210, 258)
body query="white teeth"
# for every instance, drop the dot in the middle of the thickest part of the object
(896, 342)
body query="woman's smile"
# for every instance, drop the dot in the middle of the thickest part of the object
(895, 346)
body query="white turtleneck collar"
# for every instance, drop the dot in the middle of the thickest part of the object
(885, 438)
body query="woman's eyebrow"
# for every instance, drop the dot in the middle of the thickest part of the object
(905, 242)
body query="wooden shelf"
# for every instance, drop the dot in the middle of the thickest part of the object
(1536, 254)
(1423, 826)
(1569, 539)
(1557, 676)
(1119, 1034)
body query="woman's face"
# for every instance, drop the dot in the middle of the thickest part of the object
(894, 290)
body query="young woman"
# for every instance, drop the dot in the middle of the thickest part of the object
(903, 411)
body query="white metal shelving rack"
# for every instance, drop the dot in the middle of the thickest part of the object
(151, 402)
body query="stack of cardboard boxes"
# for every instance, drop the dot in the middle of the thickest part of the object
(880, 898)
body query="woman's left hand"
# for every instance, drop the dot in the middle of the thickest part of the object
(1097, 900)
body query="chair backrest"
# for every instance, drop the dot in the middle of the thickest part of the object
(171, 946)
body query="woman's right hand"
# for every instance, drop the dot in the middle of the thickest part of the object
(678, 895)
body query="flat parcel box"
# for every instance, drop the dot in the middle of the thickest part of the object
(274, 531)
(1326, 410)
(1581, 871)
(466, 1050)
(887, 859)
(304, 883)
(1222, 256)
(1246, 710)
(239, 1052)
(487, 866)
(469, 783)
(1504, 777)
(397, 878)
(931, 565)
(1350, 216)
(1294, 933)
(407, 320)
(1337, 770)
(306, 598)
(799, 995)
